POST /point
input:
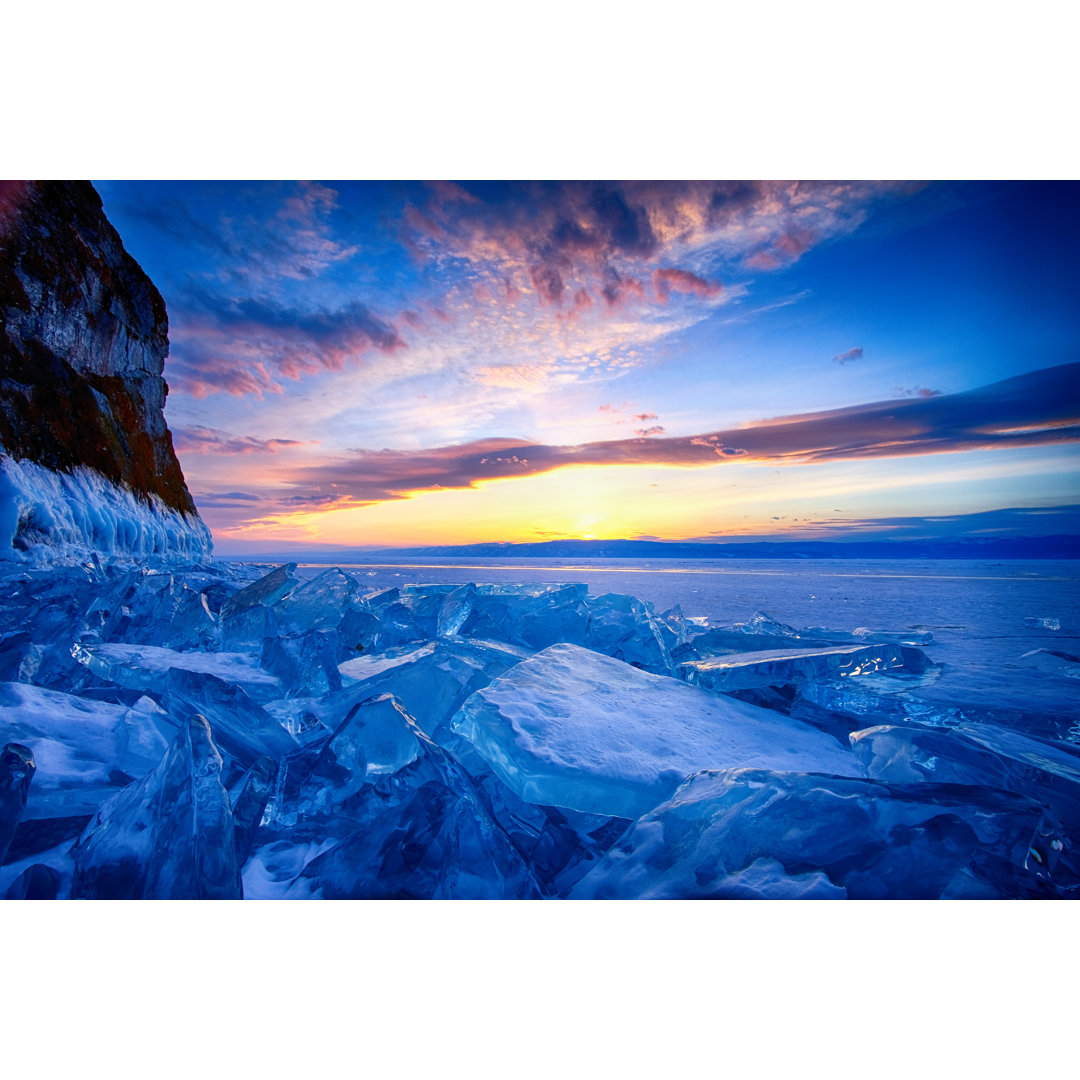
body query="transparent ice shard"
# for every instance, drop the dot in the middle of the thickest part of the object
(431, 680)
(170, 836)
(572, 728)
(532, 616)
(627, 629)
(305, 663)
(318, 604)
(784, 834)
(241, 727)
(456, 607)
(265, 592)
(777, 667)
(990, 756)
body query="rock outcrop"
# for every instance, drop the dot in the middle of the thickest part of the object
(87, 459)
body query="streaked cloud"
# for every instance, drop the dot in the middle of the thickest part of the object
(1039, 408)
(851, 354)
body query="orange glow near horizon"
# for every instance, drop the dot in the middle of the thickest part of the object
(616, 502)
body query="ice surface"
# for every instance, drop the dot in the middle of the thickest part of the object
(37, 882)
(572, 728)
(169, 836)
(69, 517)
(750, 832)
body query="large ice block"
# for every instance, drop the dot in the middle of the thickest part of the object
(170, 836)
(85, 750)
(572, 728)
(777, 667)
(989, 756)
(776, 835)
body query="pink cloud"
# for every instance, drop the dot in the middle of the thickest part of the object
(669, 278)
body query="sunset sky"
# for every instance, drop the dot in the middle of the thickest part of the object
(378, 364)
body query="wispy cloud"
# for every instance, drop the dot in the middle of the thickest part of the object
(202, 440)
(247, 346)
(851, 354)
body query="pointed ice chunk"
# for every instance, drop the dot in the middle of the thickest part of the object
(785, 834)
(267, 591)
(777, 667)
(571, 728)
(305, 663)
(240, 726)
(431, 681)
(318, 604)
(248, 800)
(17, 769)
(456, 608)
(626, 628)
(168, 837)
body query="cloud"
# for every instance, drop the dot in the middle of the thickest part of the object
(915, 391)
(203, 440)
(851, 354)
(643, 416)
(645, 433)
(246, 346)
(1035, 409)
(668, 278)
(559, 239)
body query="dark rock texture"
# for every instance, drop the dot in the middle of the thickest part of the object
(83, 341)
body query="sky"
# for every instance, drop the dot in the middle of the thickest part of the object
(378, 364)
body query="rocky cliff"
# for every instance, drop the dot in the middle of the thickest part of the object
(87, 459)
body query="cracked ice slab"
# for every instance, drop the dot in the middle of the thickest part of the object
(575, 729)
(776, 667)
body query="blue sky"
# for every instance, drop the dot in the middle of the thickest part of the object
(385, 364)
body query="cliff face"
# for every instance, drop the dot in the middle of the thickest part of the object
(83, 341)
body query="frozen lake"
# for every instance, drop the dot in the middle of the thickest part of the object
(958, 600)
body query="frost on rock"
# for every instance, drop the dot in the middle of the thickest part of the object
(48, 517)
(572, 728)
(168, 837)
(779, 835)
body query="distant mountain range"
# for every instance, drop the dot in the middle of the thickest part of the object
(1020, 547)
